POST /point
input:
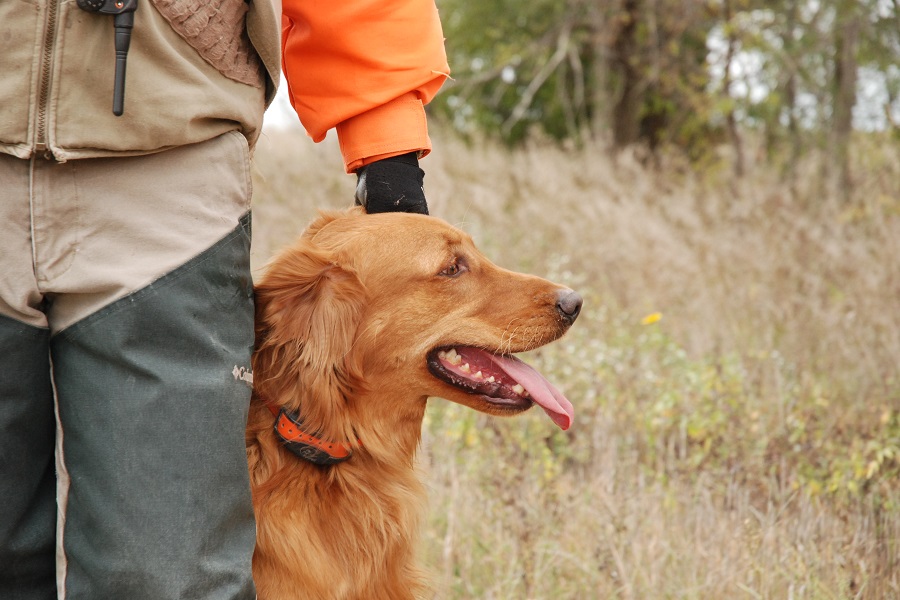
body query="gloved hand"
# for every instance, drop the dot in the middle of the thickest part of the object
(392, 185)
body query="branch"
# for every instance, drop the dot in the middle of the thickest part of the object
(562, 45)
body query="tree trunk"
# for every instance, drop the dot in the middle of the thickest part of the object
(790, 97)
(845, 67)
(626, 64)
(730, 118)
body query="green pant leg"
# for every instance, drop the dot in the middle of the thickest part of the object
(27, 474)
(152, 424)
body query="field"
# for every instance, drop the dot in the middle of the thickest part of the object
(735, 373)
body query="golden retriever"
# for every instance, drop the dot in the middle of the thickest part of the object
(358, 323)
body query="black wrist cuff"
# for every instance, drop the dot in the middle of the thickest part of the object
(392, 185)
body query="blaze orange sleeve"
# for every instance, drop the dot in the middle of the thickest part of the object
(366, 68)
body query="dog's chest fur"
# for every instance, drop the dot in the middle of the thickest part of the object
(326, 532)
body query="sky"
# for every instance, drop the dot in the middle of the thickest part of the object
(747, 80)
(280, 113)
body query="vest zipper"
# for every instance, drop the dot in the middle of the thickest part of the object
(41, 145)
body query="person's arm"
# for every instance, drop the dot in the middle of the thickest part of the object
(366, 68)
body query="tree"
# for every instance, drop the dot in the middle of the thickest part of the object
(846, 37)
(692, 74)
(578, 69)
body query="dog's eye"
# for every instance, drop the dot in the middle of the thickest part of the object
(454, 269)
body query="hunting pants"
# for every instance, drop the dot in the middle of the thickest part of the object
(126, 318)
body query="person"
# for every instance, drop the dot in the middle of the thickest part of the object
(126, 303)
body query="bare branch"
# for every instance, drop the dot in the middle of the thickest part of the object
(534, 86)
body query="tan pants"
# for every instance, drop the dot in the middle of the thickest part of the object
(78, 235)
(125, 308)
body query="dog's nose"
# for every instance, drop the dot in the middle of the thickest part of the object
(568, 303)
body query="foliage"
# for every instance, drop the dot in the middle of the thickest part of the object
(735, 374)
(681, 73)
(680, 423)
(529, 67)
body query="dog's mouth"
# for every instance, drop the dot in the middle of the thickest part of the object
(503, 380)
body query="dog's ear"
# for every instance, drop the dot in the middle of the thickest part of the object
(308, 310)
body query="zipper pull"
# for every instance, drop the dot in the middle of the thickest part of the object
(41, 149)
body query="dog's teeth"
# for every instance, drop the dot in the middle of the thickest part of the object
(451, 356)
(490, 379)
(519, 389)
(478, 375)
(466, 368)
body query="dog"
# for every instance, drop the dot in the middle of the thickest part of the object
(358, 323)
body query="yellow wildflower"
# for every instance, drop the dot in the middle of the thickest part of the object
(651, 318)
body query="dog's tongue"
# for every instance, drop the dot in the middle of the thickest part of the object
(541, 391)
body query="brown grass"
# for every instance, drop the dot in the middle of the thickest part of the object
(744, 446)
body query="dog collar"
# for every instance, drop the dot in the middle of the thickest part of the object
(289, 428)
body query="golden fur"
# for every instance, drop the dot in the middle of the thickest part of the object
(345, 319)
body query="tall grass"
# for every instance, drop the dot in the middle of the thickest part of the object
(736, 375)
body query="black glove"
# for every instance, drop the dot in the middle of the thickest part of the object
(392, 185)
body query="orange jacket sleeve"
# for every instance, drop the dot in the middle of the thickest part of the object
(366, 68)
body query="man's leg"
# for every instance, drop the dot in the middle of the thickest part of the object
(27, 422)
(27, 476)
(145, 265)
(153, 423)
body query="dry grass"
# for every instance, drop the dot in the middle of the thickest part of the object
(746, 445)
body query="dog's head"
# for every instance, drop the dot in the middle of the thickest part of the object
(402, 307)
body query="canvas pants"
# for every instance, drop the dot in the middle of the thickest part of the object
(126, 316)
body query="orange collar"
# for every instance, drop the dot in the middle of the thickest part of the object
(289, 428)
